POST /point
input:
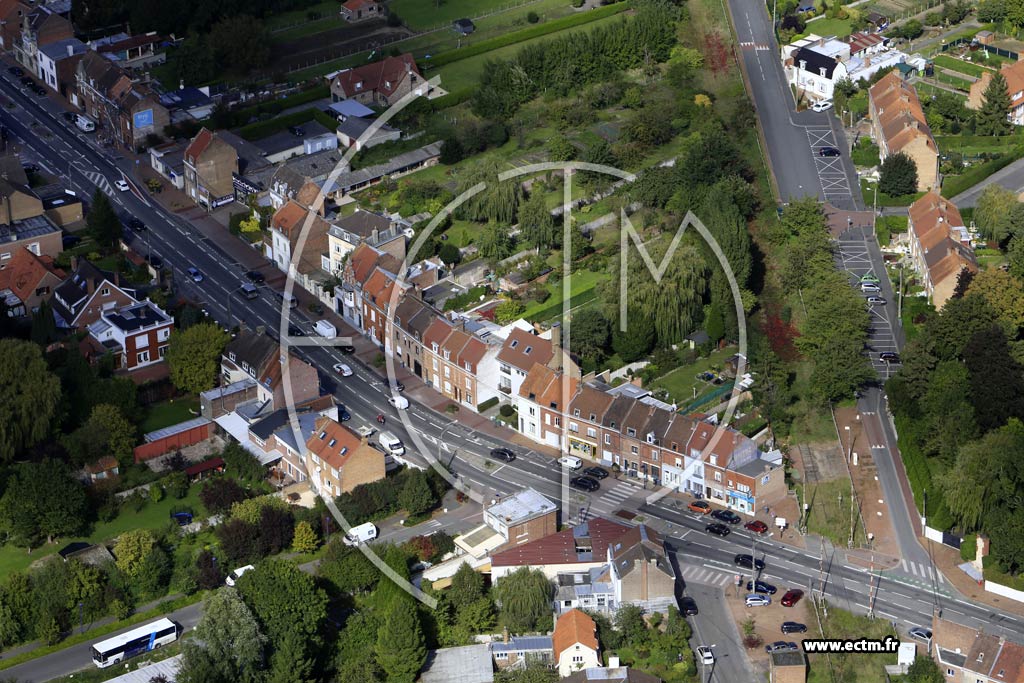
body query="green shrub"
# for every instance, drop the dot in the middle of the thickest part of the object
(487, 405)
(532, 17)
(156, 492)
(975, 174)
(968, 547)
(507, 410)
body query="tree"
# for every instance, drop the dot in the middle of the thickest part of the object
(44, 327)
(132, 549)
(449, 254)
(416, 497)
(560, 148)
(537, 223)
(525, 599)
(220, 494)
(993, 212)
(400, 646)
(1004, 293)
(997, 380)
(508, 311)
(495, 241)
(629, 622)
(923, 670)
(992, 118)
(1015, 255)
(467, 587)
(42, 500)
(239, 541)
(589, 335)
(209, 574)
(305, 539)
(29, 396)
(477, 617)
(347, 568)
(898, 175)
(193, 356)
(102, 221)
(242, 465)
(909, 30)
(637, 341)
(242, 43)
(497, 202)
(451, 150)
(228, 646)
(106, 432)
(251, 509)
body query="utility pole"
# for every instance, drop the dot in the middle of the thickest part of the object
(871, 589)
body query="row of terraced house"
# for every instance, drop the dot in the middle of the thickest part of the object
(472, 362)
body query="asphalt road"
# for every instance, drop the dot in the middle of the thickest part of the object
(1011, 178)
(52, 144)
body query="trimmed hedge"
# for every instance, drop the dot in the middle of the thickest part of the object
(487, 405)
(919, 473)
(535, 31)
(241, 117)
(975, 174)
(261, 129)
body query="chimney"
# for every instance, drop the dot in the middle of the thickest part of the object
(504, 635)
(90, 285)
(613, 661)
(71, 50)
(375, 234)
(556, 347)
(74, 264)
(867, 60)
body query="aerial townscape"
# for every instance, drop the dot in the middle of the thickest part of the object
(512, 341)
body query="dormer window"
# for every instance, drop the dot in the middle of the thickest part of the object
(323, 435)
(434, 347)
(593, 417)
(528, 349)
(630, 432)
(514, 344)
(576, 412)
(447, 354)
(331, 443)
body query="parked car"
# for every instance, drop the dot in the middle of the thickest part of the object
(156, 261)
(394, 385)
(596, 472)
(255, 276)
(134, 223)
(780, 646)
(343, 369)
(570, 462)
(829, 152)
(876, 301)
(823, 105)
(727, 516)
(39, 90)
(717, 529)
(343, 414)
(295, 331)
(869, 287)
(503, 454)
(793, 627)
(30, 168)
(757, 600)
(584, 484)
(16, 71)
(761, 587)
(688, 606)
(746, 561)
(869, 277)
(757, 526)
(705, 656)
(792, 597)
(195, 275)
(122, 185)
(890, 357)
(398, 402)
(921, 633)
(699, 506)
(27, 81)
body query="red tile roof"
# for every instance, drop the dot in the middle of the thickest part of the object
(198, 145)
(383, 76)
(586, 543)
(523, 348)
(574, 627)
(24, 271)
(332, 442)
(378, 288)
(356, 5)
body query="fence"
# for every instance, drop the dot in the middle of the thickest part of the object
(173, 440)
(1005, 591)
(943, 537)
(1009, 54)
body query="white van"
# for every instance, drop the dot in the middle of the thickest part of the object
(290, 299)
(361, 534)
(391, 443)
(325, 329)
(570, 462)
(237, 574)
(84, 123)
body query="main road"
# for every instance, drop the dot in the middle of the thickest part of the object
(61, 149)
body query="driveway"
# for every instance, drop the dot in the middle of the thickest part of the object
(1011, 177)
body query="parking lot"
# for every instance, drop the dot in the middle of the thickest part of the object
(831, 170)
(858, 254)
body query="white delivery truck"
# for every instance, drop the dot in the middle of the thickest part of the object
(84, 123)
(391, 443)
(325, 329)
(361, 534)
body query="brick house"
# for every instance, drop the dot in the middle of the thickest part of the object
(377, 303)
(210, 165)
(412, 320)
(27, 280)
(364, 227)
(640, 570)
(82, 297)
(41, 26)
(573, 550)
(127, 111)
(254, 355)
(338, 460)
(519, 352)
(357, 268)
(286, 226)
(522, 518)
(58, 62)
(17, 201)
(1014, 75)
(381, 83)
(11, 12)
(575, 643)
(137, 334)
(898, 125)
(355, 11)
(453, 357)
(543, 396)
(940, 246)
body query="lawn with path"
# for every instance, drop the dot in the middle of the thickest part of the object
(682, 383)
(168, 413)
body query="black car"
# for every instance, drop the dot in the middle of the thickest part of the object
(346, 348)
(256, 277)
(890, 357)
(135, 224)
(297, 131)
(761, 587)
(70, 240)
(688, 606)
(717, 529)
(16, 71)
(30, 168)
(39, 90)
(746, 561)
(343, 414)
(596, 472)
(295, 331)
(584, 484)
(829, 152)
(394, 385)
(793, 627)
(156, 261)
(503, 454)
(27, 81)
(727, 516)
(69, 116)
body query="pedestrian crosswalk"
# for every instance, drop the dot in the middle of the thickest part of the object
(921, 571)
(757, 46)
(100, 181)
(705, 576)
(608, 502)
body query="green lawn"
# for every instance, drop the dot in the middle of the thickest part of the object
(682, 383)
(853, 668)
(153, 516)
(954, 64)
(925, 90)
(420, 15)
(327, 23)
(465, 72)
(954, 81)
(868, 192)
(169, 413)
(827, 516)
(328, 8)
(840, 28)
(581, 285)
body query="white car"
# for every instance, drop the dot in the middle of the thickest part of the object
(757, 600)
(570, 462)
(343, 370)
(869, 287)
(705, 656)
(824, 105)
(122, 185)
(398, 402)
(237, 574)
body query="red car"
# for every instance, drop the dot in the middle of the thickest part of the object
(700, 507)
(757, 526)
(792, 597)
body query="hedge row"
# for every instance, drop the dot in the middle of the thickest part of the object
(975, 174)
(919, 473)
(535, 31)
(487, 405)
(261, 129)
(241, 116)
